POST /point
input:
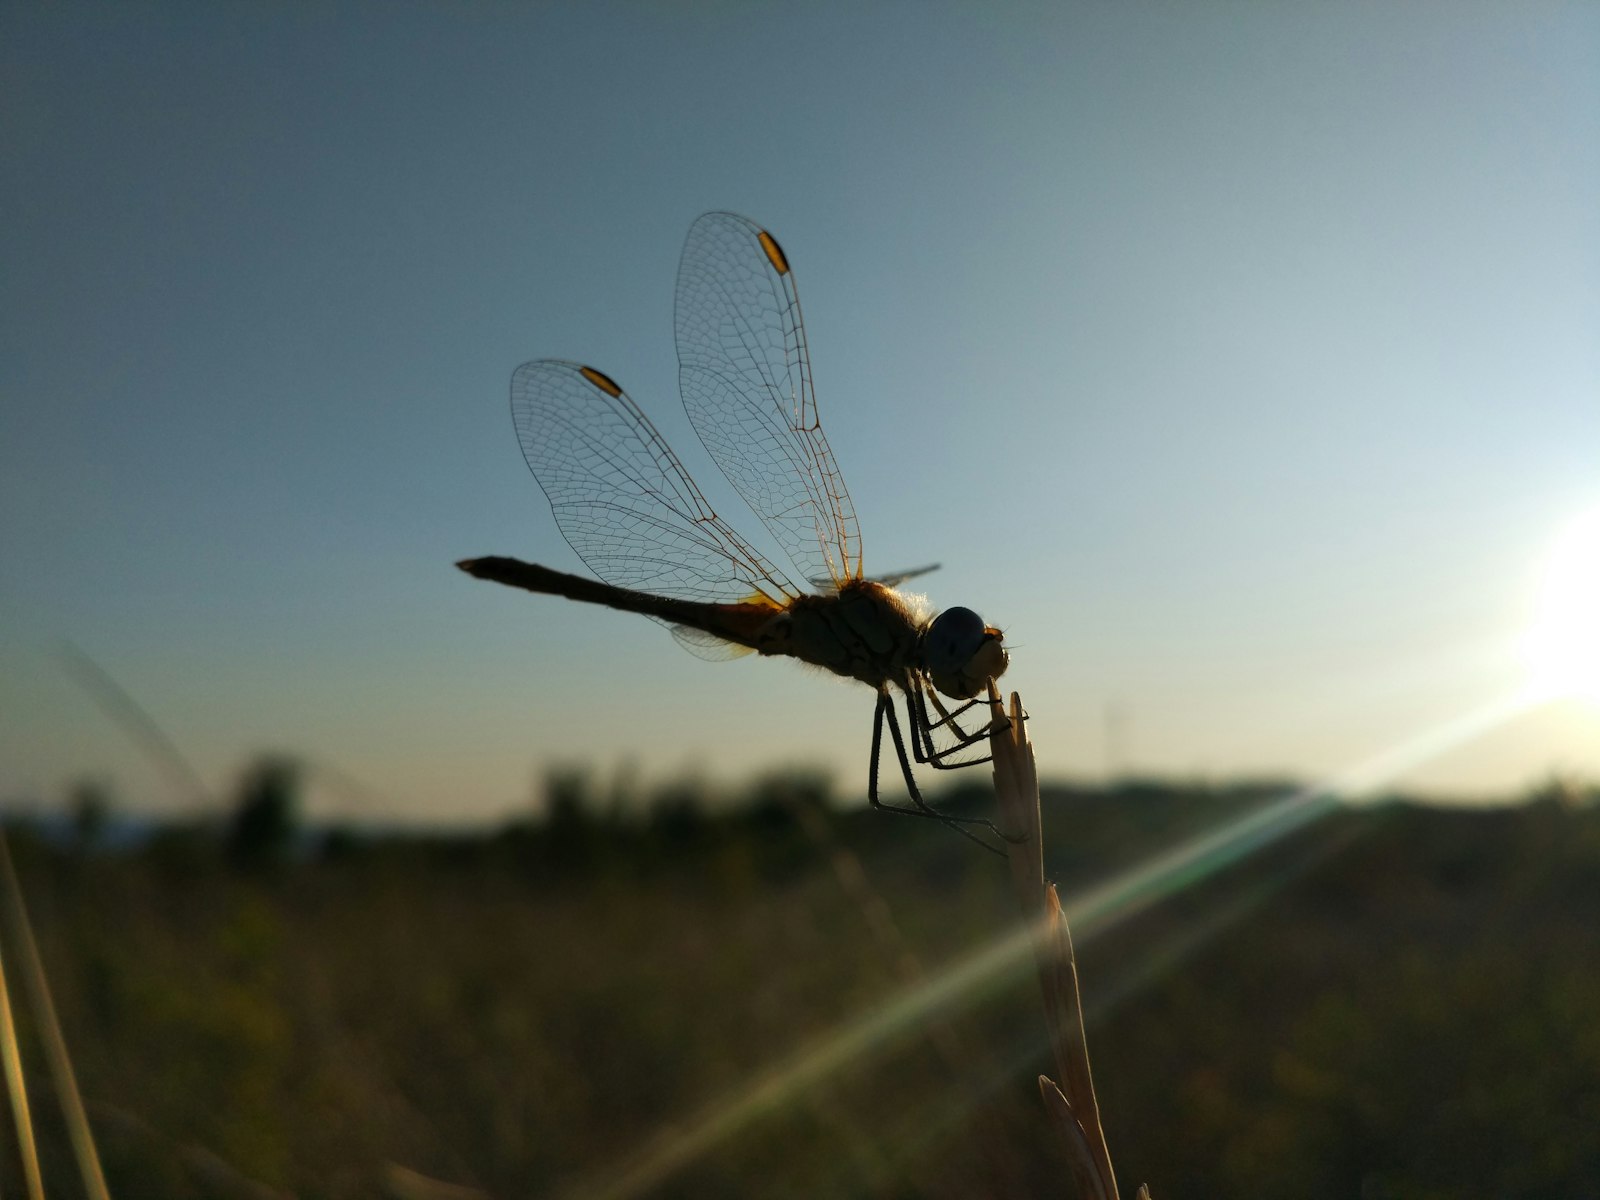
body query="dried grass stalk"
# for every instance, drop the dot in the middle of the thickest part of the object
(1071, 1104)
(11, 1051)
(48, 1025)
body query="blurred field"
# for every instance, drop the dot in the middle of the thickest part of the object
(1398, 1001)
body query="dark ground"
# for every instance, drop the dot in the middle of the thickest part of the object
(1395, 1002)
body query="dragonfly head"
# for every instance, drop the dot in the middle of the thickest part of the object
(960, 652)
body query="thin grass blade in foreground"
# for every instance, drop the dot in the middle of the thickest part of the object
(15, 1085)
(49, 1027)
(1071, 1104)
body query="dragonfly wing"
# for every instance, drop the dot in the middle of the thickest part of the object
(708, 645)
(621, 497)
(745, 375)
(893, 579)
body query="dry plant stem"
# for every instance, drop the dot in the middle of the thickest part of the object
(1072, 1104)
(19, 1093)
(44, 1010)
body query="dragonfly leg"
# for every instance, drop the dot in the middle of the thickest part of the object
(922, 731)
(885, 713)
(947, 717)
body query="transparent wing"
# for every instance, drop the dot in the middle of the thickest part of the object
(623, 500)
(708, 645)
(893, 579)
(746, 381)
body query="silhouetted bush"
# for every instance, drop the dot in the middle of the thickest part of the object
(571, 836)
(678, 814)
(90, 809)
(261, 834)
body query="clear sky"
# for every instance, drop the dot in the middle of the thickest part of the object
(1240, 360)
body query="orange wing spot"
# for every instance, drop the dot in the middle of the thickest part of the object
(601, 380)
(759, 600)
(774, 252)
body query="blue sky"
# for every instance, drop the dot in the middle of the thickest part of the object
(1239, 360)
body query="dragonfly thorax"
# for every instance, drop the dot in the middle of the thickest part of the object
(960, 652)
(864, 631)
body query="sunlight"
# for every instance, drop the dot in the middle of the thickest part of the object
(1563, 644)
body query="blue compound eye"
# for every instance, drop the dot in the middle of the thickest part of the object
(953, 638)
(959, 652)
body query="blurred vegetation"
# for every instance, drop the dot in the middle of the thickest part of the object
(261, 832)
(1397, 1001)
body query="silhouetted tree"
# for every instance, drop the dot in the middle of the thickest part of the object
(678, 813)
(571, 836)
(90, 807)
(262, 831)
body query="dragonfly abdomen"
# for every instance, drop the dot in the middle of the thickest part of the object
(740, 623)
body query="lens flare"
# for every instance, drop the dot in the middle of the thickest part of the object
(1563, 644)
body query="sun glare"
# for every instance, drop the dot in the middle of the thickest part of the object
(1563, 645)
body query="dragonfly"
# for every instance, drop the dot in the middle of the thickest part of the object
(633, 514)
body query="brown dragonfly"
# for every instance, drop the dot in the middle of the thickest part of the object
(631, 512)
